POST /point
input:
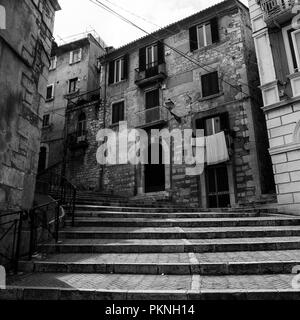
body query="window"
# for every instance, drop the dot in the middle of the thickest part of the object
(151, 56)
(292, 45)
(210, 84)
(204, 34)
(118, 112)
(118, 70)
(53, 63)
(81, 127)
(75, 56)
(73, 85)
(50, 92)
(43, 159)
(46, 120)
(152, 99)
(214, 124)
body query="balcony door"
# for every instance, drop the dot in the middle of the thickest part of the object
(152, 106)
(216, 177)
(155, 180)
(150, 58)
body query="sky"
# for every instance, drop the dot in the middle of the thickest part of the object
(79, 16)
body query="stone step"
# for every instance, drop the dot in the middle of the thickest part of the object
(236, 263)
(151, 215)
(222, 222)
(137, 208)
(57, 286)
(170, 246)
(178, 233)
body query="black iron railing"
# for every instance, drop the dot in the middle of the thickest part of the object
(44, 225)
(10, 235)
(40, 224)
(60, 189)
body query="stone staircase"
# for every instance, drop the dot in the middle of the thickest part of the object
(122, 249)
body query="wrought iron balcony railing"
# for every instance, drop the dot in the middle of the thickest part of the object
(277, 11)
(153, 73)
(77, 140)
(152, 116)
(82, 99)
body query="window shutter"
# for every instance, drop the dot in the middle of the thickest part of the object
(80, 55)
(122, 111)
(161, 52)
(142, 57)
(210, 84)
(224, 117)
(111, 76)
(126, 61)
(118, 112)
(71, 57)
(152, 99)
(193, 38)
(214, 23)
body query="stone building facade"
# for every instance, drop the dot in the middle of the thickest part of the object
(205, 67)
(73, 71)
(25, 46)
(278, 53)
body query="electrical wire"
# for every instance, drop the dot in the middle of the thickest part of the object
(108, 9)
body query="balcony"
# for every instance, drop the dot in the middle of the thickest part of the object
(151, 75)
(77, 141)
(77, 100)
(276, 12)
(152, 117)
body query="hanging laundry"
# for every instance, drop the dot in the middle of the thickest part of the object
(216, 149)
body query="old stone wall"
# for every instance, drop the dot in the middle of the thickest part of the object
(25, 47)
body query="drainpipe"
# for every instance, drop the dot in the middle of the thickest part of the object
(104, 122)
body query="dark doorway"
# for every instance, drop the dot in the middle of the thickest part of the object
(42, 159)
(217, 186)
(155, 180)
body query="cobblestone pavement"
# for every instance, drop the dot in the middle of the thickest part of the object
(154, 282)
(176, 258)
(174, 242)
(105, 281)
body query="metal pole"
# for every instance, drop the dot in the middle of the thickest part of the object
(73, 207)
(57, 222)
(17, 257)
(32, 222)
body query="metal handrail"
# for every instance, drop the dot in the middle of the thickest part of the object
(16, 225)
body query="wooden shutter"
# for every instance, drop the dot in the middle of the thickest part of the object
(126, 61)
(142, 57)
(210, 84)
(118, 112)
(214, 23)
(152, 99)
(224, 118)
(193, 38)
(161, 52)
(111, 76)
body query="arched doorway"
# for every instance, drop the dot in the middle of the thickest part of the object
(155, 179)
(43, 159)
